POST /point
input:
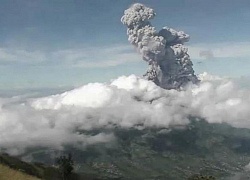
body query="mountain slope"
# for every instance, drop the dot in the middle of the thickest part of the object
(23, 169)
(164, 153)
(7, 173)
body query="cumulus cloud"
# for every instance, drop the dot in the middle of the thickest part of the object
(59, 120)
(22, 127)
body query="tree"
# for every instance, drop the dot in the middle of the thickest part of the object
(65, 165)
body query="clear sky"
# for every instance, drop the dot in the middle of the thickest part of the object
(65, 43)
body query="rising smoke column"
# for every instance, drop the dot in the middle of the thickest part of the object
(170, 66)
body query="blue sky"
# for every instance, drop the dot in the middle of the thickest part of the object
(66, 43)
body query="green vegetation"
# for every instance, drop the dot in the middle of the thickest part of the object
(65, 165)
(36, 169)
(216, 151)
(7, 173)
(15, 169)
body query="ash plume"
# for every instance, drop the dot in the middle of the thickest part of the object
(170, 66)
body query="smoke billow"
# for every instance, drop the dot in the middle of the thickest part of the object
(170, 66)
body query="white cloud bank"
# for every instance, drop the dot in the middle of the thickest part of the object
(53, 121)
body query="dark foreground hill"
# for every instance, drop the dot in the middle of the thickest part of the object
(14, 165)
(7, 173)
(217, 150)
(12, 168)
